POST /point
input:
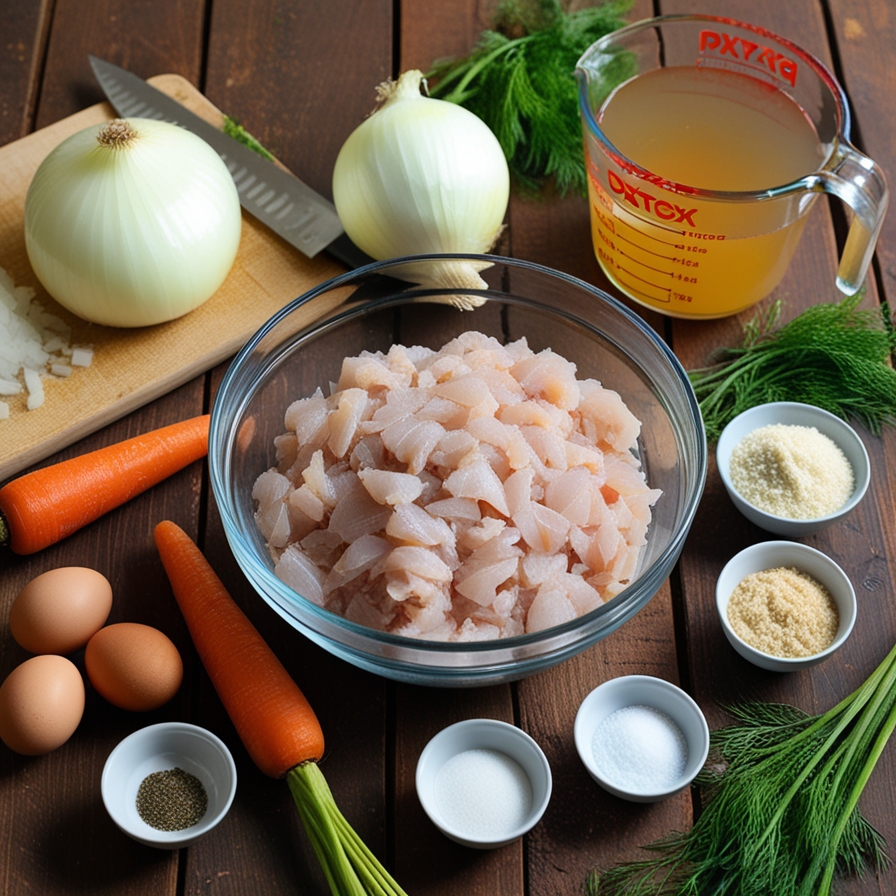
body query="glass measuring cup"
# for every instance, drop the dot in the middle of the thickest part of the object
(707, 142)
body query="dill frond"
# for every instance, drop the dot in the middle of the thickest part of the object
(234, 129)
(519, 79)
(834, 355)
(781, 804)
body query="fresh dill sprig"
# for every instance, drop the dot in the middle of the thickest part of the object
(781, 813)
(520, 80)
(234, 129)
(834, 355)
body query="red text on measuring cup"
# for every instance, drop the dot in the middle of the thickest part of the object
(748, 51)
(666, 211)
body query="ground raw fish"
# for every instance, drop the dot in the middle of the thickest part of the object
(481, 491)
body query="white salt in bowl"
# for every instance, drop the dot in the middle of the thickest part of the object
(792, 413)
(157, 748)
(814, 563)
(483, 783)
(650, 696)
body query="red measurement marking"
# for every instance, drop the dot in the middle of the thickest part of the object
(616, 245)
(609, 223)
(644, 249)
(637, 290)
(600, 192)
(614, 263)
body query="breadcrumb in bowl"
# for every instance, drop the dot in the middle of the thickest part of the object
(806, 469)
(274, 473)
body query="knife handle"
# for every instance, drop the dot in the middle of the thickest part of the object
(344, 250)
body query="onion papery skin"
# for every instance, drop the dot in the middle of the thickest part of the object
(135, 235)
(421, 176)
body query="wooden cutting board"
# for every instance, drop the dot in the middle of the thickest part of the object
(133, 366)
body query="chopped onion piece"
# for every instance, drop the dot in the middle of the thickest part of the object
(10, 387)
(82, 356)
(33, 343)
(35, 388)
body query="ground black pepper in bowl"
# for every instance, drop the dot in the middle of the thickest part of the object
(171, 800)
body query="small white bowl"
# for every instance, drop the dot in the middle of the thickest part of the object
(496, 737)
(157, 748)
(793, 413)
(770, 555)
(642, 690)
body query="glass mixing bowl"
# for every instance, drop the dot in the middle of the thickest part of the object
(372, 308)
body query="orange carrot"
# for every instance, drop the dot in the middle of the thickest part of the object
(271, 715)
(47, 505)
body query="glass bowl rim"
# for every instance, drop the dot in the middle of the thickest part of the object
(222, 424)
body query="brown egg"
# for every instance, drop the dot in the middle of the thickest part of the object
(133, 666)
(41, 704)
(59, 610)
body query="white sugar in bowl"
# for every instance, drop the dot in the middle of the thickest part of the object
(641, 738)
(483, 783)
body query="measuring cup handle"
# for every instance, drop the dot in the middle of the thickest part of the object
(859, 182)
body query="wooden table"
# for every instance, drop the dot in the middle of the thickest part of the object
(300, 76)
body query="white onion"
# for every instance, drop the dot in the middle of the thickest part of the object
(422, 176)
(132, 223)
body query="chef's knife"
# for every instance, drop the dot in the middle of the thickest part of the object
(273, 195)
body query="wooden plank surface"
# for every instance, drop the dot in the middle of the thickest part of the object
(301, 77)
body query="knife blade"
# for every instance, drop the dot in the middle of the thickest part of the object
(271, 194)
